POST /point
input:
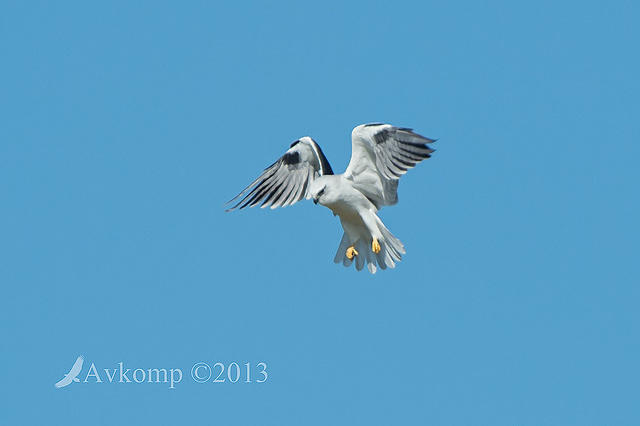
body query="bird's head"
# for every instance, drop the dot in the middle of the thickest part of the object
(319, 190)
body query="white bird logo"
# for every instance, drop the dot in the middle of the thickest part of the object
(72, 375)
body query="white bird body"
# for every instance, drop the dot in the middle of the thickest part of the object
(381, 153)
(345, 200)
(360, 222)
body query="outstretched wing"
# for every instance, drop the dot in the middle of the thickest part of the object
(77, 367)
(63, 382)
(286, 181)
(380, 155)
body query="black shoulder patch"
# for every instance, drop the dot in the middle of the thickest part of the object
(295, 143)
(381, 136)
(291, 158)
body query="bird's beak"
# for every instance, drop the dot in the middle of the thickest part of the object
(315, 201)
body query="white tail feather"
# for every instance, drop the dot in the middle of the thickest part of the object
(391, 250)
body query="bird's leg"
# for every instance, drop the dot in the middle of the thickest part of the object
(351, 252)
(371, 220)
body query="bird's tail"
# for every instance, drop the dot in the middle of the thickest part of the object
(391, 250)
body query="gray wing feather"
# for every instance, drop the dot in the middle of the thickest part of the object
(286, 181)
(399, 149)
(380, 155)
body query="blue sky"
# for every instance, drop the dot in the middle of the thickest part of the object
(125, 127)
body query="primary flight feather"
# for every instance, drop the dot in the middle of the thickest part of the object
(380, 155)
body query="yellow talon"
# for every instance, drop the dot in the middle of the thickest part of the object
(351, 251)
(375, 246)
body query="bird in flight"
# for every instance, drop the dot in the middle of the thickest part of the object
(380, 155)
(72, 375)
